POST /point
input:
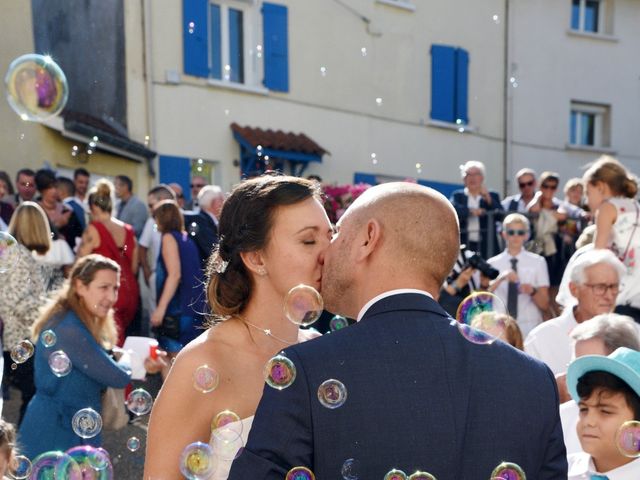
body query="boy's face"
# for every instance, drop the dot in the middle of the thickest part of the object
(515, 234)
(601, 415)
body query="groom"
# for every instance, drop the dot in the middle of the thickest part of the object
(420, 397)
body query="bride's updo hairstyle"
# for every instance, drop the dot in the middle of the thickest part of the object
(101, 195)
(245, 225)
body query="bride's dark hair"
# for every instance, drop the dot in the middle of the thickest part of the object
(245, 225)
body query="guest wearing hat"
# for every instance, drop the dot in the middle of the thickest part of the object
(607, 390)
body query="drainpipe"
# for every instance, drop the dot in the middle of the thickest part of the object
(507, 161)
(148, 72)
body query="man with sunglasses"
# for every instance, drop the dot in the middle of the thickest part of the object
(523, 283)
(595, 280)
(526, 181)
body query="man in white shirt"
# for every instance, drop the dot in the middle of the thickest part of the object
(523, 283)
(526, 180)
(595, 281)
(602, 335)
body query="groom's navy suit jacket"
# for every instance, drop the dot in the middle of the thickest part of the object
(419, 397)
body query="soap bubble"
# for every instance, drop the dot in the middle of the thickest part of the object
(22, 352)
(196, 461)
(86, 423)
(332, 393)
(205, 379)
(300, 473)
(378, 101)
(9, 252)
(350, 469)
(508, 471)
(303, 305)
(22, 468)
(279, 372)
(48, 338)
(133, 444)
(421, 476)
(224, 418)
(227, 442)
(338, 322)
(628, 439)
(37, 88)
(53, 465)
(323, 71)
(139, 402)
(60, 363)
(94, 463)
(477, 303)
(395, 475)
(480, 317)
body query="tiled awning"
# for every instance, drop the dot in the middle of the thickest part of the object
(262, 150)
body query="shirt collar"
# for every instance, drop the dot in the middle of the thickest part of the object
(468, 194)
(582, 464)
(389, 293)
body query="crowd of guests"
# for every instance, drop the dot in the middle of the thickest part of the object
(96, 264)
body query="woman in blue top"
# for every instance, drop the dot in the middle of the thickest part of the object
(179, 282)
(81, 320)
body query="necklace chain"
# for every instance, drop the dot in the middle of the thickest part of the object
(266, 331)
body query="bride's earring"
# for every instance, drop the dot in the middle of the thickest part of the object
(262, 272)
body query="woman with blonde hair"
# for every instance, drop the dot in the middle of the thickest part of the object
(78, 329)
(611, 195)
(116, 240)
(30, 226)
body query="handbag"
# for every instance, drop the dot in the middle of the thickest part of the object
(170, 327)
(114, 414)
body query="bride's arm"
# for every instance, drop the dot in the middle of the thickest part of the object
(181, 415)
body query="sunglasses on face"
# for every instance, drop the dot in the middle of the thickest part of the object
(526, 184)
(512, 233)
(550, 187)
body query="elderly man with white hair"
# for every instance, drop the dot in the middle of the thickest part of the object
(203, 226)
(472, 204)
(595, 281)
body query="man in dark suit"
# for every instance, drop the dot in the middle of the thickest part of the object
(203, 226)
(475, 206)
(419, 395)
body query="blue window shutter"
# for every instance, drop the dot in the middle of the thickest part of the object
(443, 83)
(236, 45)
(195, 37)
(176, 169)
(216, 42)
(275, 46)
(367, 178)
(462, 85)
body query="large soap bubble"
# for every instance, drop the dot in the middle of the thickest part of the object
(36, 86)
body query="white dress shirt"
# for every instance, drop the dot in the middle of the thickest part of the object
(550, 341)
(473, 222)
(581, 467)
(569, 413)
(532, 269)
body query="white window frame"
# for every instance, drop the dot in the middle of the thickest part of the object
(251, 39)
(600, 127)
(582, 14)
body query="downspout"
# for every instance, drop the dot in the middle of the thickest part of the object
(508, 105)
(150, 139)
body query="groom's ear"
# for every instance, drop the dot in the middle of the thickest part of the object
(253, 261)
(369, 239)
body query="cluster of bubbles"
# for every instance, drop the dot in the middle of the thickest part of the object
(628, 439)
(478, 318)
(77, 463)
(8, 252)
(36, 86)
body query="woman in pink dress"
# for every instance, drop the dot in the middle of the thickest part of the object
(116, 240)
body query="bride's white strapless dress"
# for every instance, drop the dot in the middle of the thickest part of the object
(225, 446)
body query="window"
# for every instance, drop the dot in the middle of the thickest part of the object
(229, 41)
(449, 84)
(589, 125)
(586, 15)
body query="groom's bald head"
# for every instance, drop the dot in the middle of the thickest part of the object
(400, 235)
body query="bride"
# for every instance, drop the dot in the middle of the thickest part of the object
(273, 234)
